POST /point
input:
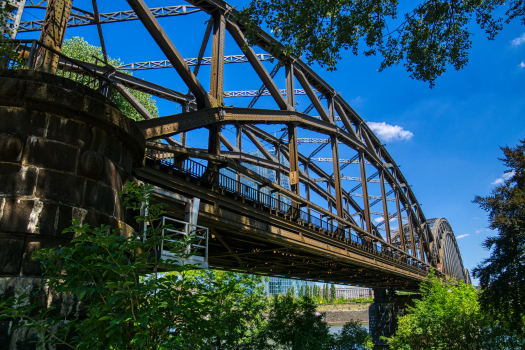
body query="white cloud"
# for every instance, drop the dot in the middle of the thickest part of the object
(518, 41)
(387, 132)
(462, 236)
(479, 231)
(522, 64)
(379, 220)
(503, 178)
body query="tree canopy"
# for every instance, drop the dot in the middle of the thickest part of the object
(426, 39)
(502, 275)
(450, 316)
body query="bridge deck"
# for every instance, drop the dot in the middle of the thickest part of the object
(248, 237)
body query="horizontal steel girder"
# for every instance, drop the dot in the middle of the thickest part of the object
(83, 18)
(189, 61)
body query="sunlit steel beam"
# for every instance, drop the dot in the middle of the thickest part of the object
(80, 17)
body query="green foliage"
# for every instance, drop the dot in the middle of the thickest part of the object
(332, 293)
(80, 49)
(502, 275)
(449, 317)
(293, 324)
(237, 303)
(352, 337)
(426, 39)
(128, 304)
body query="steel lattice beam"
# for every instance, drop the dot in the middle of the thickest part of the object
(329, 160)
(80, 17)
(189, 61)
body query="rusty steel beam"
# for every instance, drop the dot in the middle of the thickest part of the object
(217, 58)
(311, 95)
(171, 52)
(239, 38)
(385, 205)
(53, 32)
(293, 158)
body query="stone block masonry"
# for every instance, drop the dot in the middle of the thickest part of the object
(65, 152)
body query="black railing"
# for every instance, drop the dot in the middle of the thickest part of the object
(282, 206)
(31, 54)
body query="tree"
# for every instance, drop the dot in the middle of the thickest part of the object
(449, 316)
(301, 292)
(434, 34)
(502, 275)
(293, 324)
(332, 293)
(237, 305)
(353, 337)
(80, 49)
(128, 304)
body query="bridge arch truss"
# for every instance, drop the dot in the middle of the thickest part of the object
(349, 202)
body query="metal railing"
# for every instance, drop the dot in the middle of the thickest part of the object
(282, 206)
(30, 54)
(197, 250)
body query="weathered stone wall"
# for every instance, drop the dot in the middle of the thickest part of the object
(65, 151)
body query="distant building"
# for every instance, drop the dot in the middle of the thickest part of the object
(276, 285)
(350, 292)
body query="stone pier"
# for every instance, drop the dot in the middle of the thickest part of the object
(383, 314)
(65, 152)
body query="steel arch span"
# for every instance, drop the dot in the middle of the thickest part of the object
(446, 248)
(326, 171)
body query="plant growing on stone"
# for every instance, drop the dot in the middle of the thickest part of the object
(127, 303)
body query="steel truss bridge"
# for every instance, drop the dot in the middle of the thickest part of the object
(275, 210)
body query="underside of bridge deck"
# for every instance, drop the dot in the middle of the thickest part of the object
(248, 238)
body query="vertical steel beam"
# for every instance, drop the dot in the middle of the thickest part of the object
(385, 205)
(96, 16)
(53, 32)
(400, 222)
(421, 248)
(335, 161)
(294, 158)
(364, 185)
(290, 88)
(307, 189)
(238, 144)
(214, 147)
(184, 135)
(278, 173)
(217, 58)
(412, 240)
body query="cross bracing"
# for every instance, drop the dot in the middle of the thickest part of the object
(330, 160)
(341, 217)
(80, 17)
(189, 62)
(253, 93)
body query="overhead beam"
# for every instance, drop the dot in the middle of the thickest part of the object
(82, 18)
(171, 52)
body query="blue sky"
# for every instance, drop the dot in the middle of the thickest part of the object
(446, 139)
